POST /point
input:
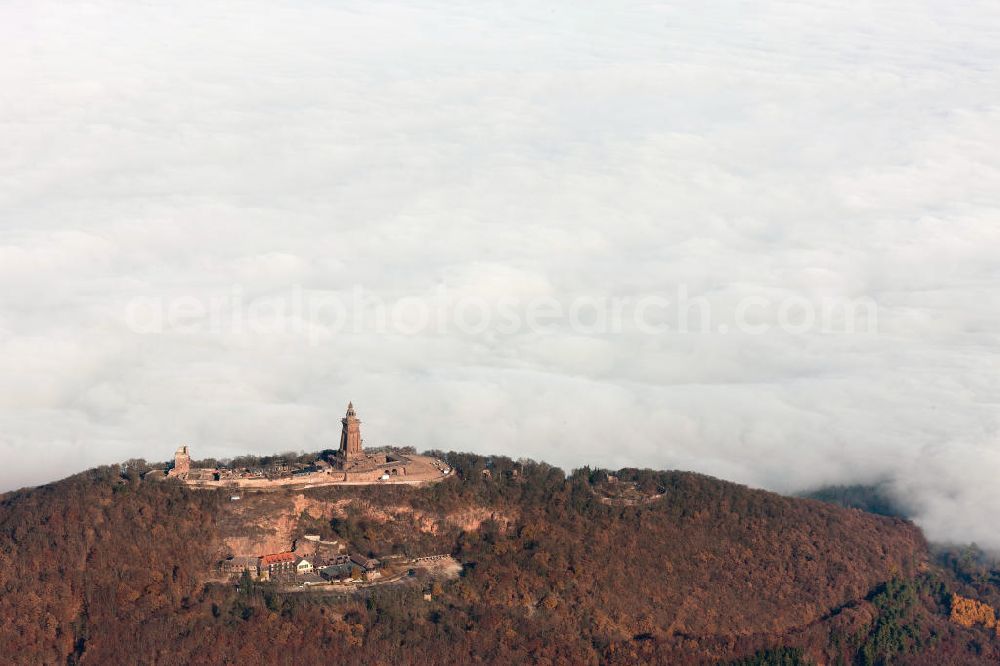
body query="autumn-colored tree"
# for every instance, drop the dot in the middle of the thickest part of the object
(969, 612)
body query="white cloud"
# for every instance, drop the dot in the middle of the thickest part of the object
(518, 151)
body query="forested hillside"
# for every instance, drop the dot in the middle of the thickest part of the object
(661, 567)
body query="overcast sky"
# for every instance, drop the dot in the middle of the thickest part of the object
(171, 171)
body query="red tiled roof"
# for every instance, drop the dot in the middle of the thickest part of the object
(277, 558)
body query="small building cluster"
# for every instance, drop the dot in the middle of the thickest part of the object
(289, 567)
(311, 561)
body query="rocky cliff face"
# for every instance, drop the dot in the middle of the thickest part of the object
(272, 521)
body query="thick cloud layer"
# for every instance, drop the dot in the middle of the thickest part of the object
(175, 175)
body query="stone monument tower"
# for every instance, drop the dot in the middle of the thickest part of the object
(350, 436)
(182, 461)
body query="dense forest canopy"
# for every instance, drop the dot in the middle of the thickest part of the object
(875, 498)
(590, 567)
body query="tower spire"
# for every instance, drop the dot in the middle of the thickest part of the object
(350, 435)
